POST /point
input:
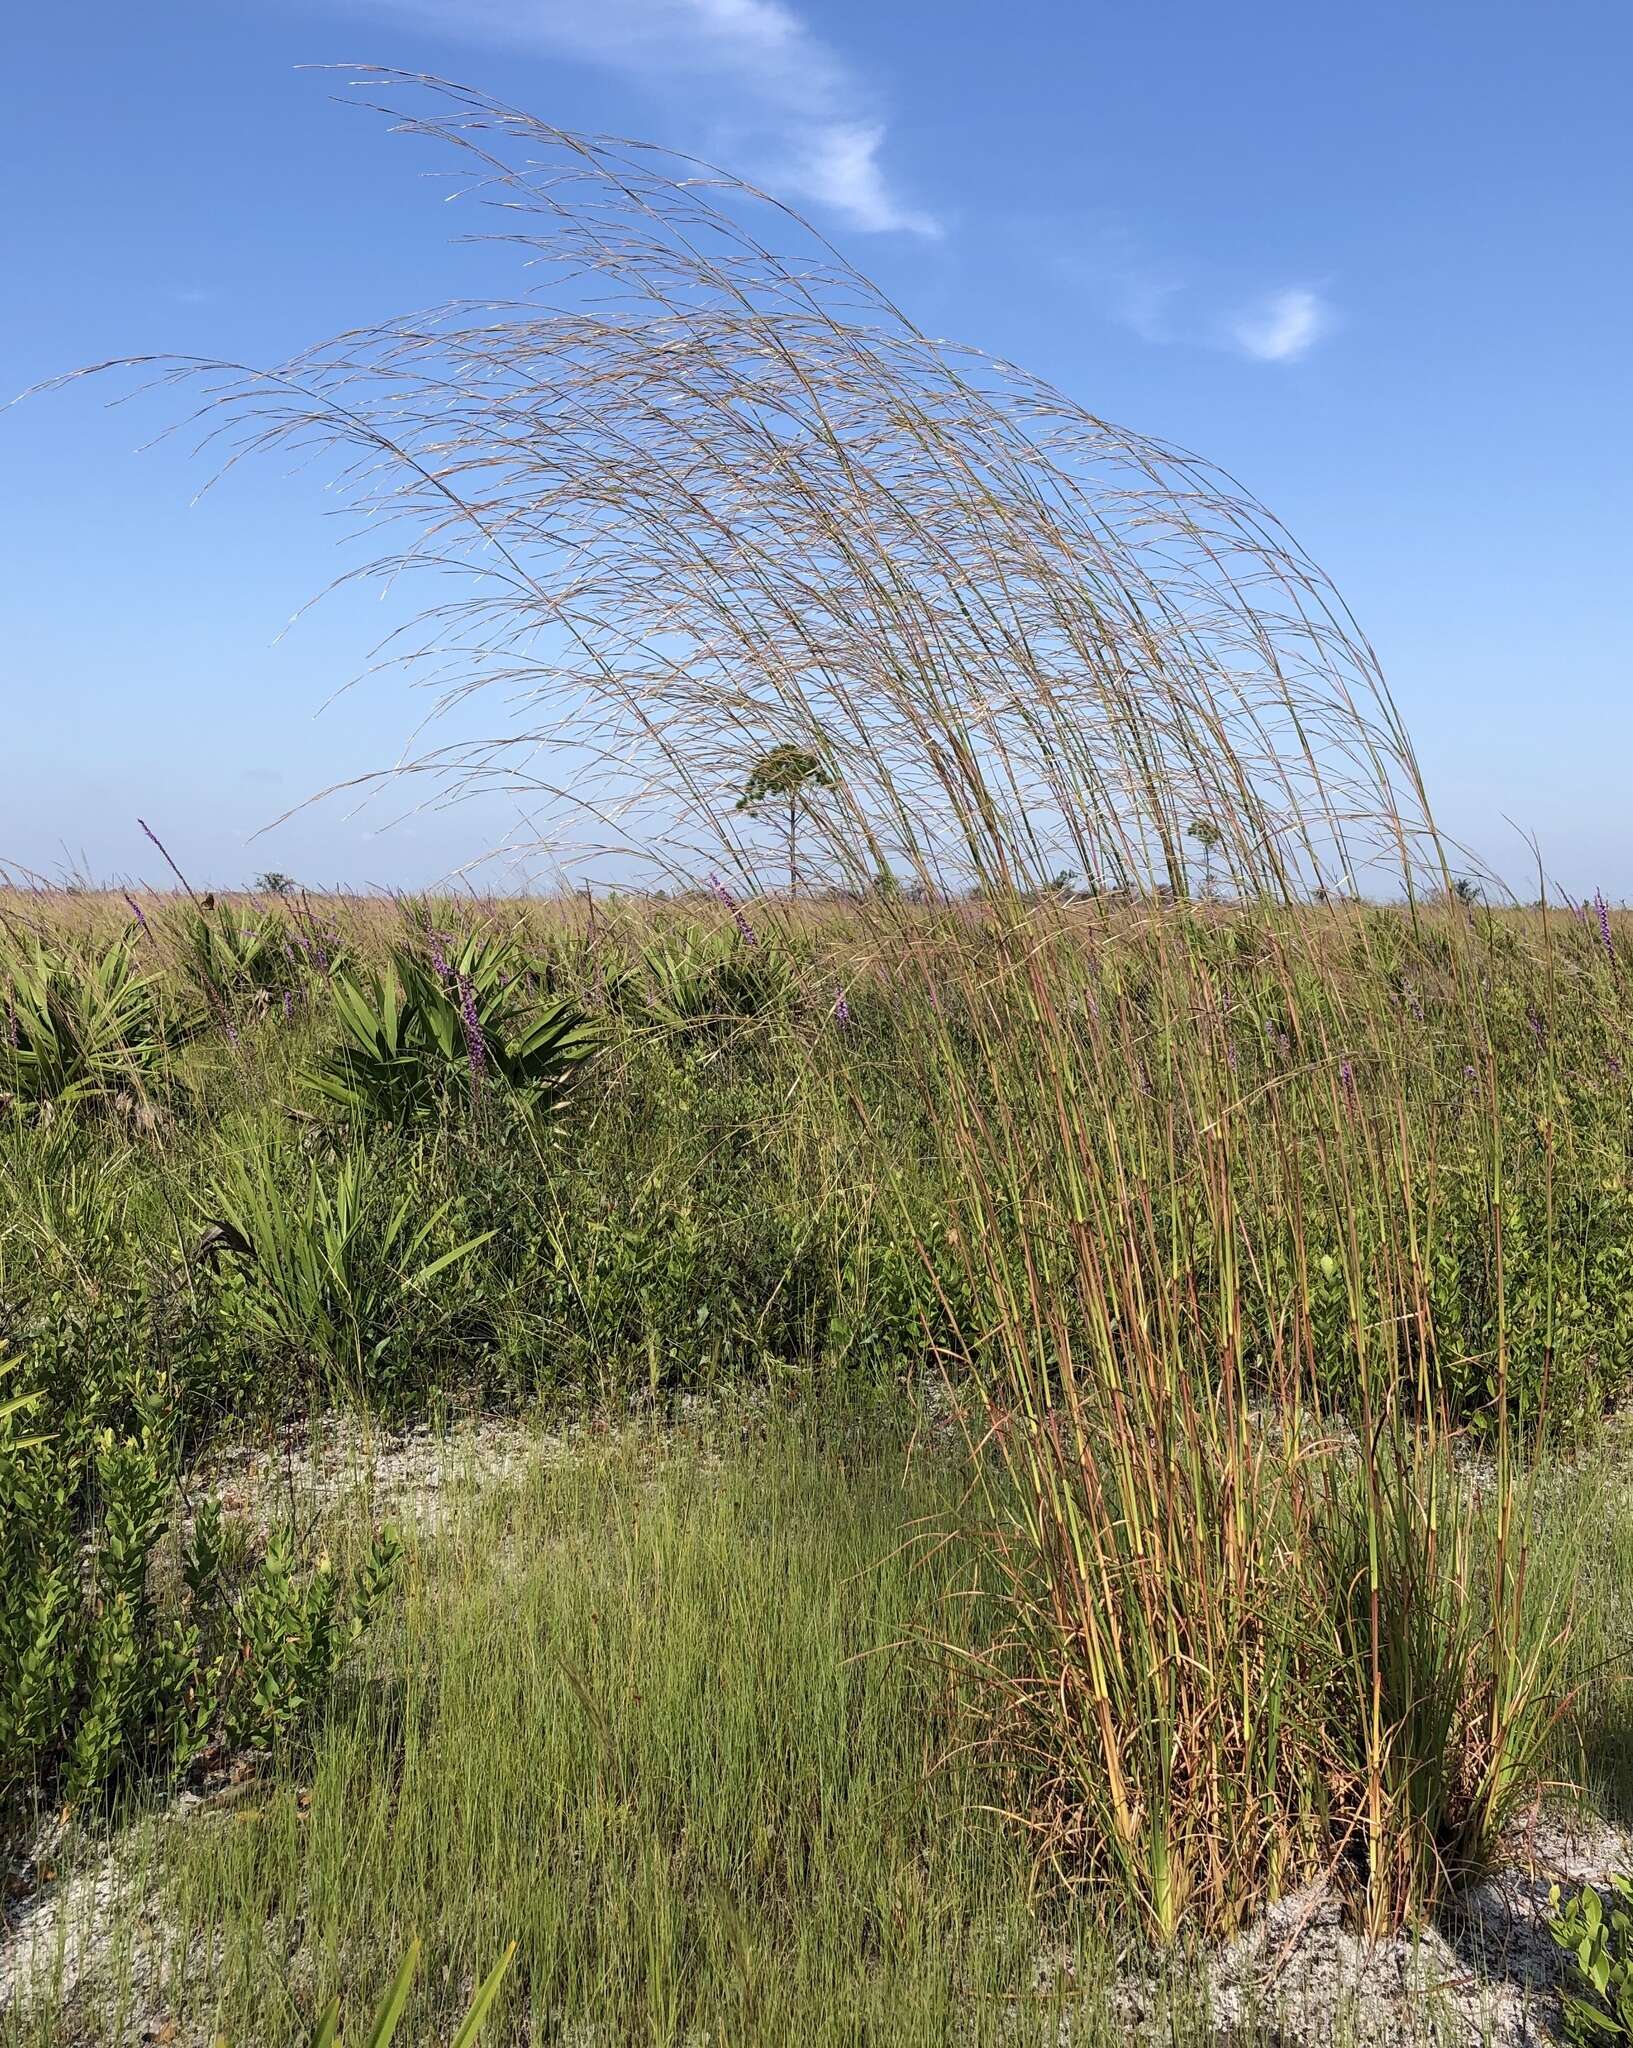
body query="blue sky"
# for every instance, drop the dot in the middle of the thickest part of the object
(1374, 261)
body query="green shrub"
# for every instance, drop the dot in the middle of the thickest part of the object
(334, 1265)
(229, 953)
(424, 1033)
(704, 982)
(1600, 2006)
(112, 1666)
(80, 1026)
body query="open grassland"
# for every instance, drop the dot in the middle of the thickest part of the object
(1142, 1369)
(1158, 1369)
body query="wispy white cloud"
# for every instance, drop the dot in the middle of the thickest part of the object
(1102, 258)
(838, 165)
(1282, 327)
(783, 99)
(1147, 293)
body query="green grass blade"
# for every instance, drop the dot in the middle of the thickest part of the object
(391, 2012)
(484, 1999)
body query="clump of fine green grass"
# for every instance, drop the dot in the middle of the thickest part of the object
(663, 1719)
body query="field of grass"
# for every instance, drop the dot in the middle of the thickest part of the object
(1028, 1526)
(1092, 1414)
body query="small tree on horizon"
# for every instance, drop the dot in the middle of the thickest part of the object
(784, 775)
(275, 883)
(1206, 834)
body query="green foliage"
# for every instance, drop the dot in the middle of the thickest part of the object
(1192, 1156)
(1600, 2006)
(383, 2029)
(1465, 1675)
(423, 1033)
(783, 772)
(785, 775)
(112, 1665)
(229, 954)
(673, 1672)
(703, 982)
(14, 1405)
(79, 1025)
(333, 1264)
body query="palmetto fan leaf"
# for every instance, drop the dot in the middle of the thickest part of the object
(79, 1024)
(423, 1029)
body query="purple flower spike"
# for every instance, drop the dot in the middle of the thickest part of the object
(136, 912)
(842, 1009)
(1603, 909)
(745, 929)
(439, 959)
(476, 1051)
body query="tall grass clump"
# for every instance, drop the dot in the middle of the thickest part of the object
(646, 1713)
(1206, 1224)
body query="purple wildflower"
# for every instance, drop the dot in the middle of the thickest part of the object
(439, 959)
(745, 929)
(1615, 1066)
(136, 912)
(476, 1051)
(842, 1009)
(310, 939)
(289, 1006)
(1603, 909)
(1346, 1075)
(1535, 1023)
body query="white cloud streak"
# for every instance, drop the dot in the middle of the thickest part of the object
(1151, 296)
(780, 97)
(1282, 327)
